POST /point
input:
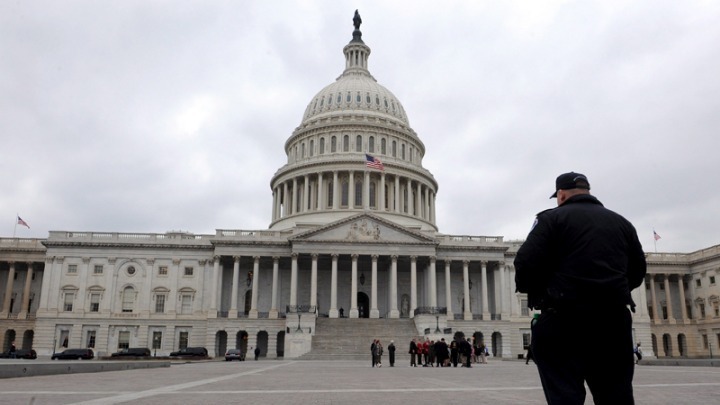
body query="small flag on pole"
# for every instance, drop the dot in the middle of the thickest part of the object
(21, 222)
(655, 235)
(375, 163)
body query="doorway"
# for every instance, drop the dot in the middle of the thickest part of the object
(363, 305)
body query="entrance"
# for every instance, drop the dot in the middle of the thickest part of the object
(363, 305)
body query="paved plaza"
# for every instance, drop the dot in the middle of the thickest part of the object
(317, 382)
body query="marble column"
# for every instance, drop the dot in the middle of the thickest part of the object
(683, 307)
(333, 287)
(335, 203)
(293, 279)
(504, 293)
(397, 194)
(374, 312)
(433, 282)
(320, 200)
(26, 292)
(366, 190)
(668, 300)
(394, 313)
(413, 285)
(381, 202)
(306, 194)
(235, 282)
(354, 288)
(253, 313)
(8, 290)
(214, 290)
(351, 190)
(485, 304)
(294, 204)
(313, 280)
(467, 315)
(273, 299)
(653, 296)
(286, 200)
(448, 290)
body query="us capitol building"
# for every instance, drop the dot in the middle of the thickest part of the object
(349, 238)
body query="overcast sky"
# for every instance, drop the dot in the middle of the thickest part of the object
(150, 116)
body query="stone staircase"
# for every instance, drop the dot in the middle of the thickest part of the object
(350, 339)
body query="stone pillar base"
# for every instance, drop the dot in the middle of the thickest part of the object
(334, 313)
(374, 313)
(394, 314)
(253, 314)
(354, 313)
(273, 314)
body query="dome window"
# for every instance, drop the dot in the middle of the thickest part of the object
(333, 144)
(358, 143)
(349, 97)
(330, 99)
(367, 98)
(393, 105)
(386, 104)
(322, 102)
(322, 145)
(377, 100)
(358, 98)
(371, 144)
(346, 143)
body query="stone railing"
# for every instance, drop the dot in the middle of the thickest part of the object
(22, 243)
(430, 310)
(169, 237)
(469, 240)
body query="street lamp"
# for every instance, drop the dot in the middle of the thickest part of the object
(298, 328)
(437, 323)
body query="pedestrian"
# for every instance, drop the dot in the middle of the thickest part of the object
(638, 353)
(482, 353)
(412, 352)
(578, 265)
(13, 349)
(342, 312)
(373, 353)
(454, 353)
(378, 353)
(391, 353)
(529, 355)
(257, 352)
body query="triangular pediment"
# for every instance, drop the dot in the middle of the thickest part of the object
(364, 228)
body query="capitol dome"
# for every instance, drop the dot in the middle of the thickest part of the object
(349, 124)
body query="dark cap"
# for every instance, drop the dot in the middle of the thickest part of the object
(567, 181)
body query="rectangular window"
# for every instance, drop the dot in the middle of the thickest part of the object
(94, 302)
(123, 340)
(662, 286)
(705, 341)
(90, 338)
(128, 300)
(159, 304)
(526, 340)
(716, 309)
(162, 271)
(702, 310)
(188, 271)
(98, 269)
(68, 303)
(712, 280)
(72, 268)
(157, 340)
(698, 283)
(64, 338)
(183, 340)
(186, 304)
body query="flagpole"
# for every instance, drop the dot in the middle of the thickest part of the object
(15, 227)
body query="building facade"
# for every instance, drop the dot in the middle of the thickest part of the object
(349, 237)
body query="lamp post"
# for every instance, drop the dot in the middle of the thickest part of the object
(437, 323)
(298, 328)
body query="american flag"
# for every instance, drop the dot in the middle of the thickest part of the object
(23, 223)
(655, 235)
(373, 162)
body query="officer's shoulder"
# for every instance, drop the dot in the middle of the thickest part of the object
(544, 212)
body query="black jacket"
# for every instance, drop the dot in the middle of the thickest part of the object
(580, 255)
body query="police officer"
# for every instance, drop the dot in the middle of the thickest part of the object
(578, 266)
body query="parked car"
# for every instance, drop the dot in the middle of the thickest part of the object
(20, 354)
(234, 354)
(190, 352)
(132, 352)
(74, 354)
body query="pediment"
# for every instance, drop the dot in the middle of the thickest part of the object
(364, 228)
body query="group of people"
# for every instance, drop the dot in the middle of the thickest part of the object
(430, 353)
(377, 350)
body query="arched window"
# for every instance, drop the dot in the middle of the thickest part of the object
(358, 143)
(402, 151)
(333, 144)
(371, 144)
(346, 143)
(312, 146)
(383, 146)
(322, 145)
(411, 153)
(358, 193)
(330, 194)
(344, 190)
(128, 299)
(394, 149)
(373, 202)
(302, 153)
